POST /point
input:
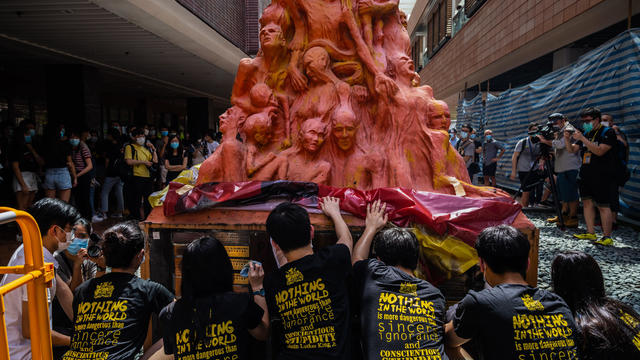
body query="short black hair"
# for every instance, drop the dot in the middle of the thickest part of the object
(468, 126)
(504, 249)
(49, 212)
(198, 280)
(137, 132)
(532, 125)
(122, 242)
(289, 226)
(397, 246)
(591, 111)
(84, 223)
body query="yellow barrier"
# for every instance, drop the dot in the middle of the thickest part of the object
(37, 276)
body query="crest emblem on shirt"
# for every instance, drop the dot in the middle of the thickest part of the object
(409, 289)
(293, 276)
(531, 304)
(103, 290)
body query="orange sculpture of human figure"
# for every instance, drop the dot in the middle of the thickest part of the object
(227, 163)
(304, 162)
(340, 70)
(438, 115)
(320, 97)
(262, 163)
(359, 169)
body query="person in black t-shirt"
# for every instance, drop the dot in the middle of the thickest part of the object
(512, 320)
(308, 294)
(25, 163)
(610, 328)
(210, 321)
(114, 164)
(401, 316)
(175, 159)
(112, 312)
(596, 183)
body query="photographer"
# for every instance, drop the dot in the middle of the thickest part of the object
(567, 165)
(525, 155)
(596, 184)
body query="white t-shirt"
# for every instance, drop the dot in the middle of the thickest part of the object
(19, 347)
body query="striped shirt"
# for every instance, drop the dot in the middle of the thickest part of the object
(79, 155)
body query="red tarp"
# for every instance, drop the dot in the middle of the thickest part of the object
(461, 217)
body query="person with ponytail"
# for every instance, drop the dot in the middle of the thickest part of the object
(211, 321)
(610, 328)
(112, 312)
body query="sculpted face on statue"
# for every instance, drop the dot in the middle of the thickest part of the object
(312, 134)
(229, 120)
(261, 96)
(403, 18)
(439, 117)
(258, 128)
(316, 64)
(404, 66)
(271, 36)
(344, 129)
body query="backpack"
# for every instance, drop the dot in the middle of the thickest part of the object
(120, 164)
(621, 171)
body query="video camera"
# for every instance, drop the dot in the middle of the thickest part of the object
(548, 130)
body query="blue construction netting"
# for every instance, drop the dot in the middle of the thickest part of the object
(607, 77)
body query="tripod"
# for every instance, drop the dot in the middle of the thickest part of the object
(546, 156)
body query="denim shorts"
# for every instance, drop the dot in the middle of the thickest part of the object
(57, 179)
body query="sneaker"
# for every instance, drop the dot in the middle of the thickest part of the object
(585, 236)
(605, 241)
(97, 218)
(555, 219)
(571, 222)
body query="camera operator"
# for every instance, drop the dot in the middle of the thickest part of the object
(567, 165)
(596, 184)
(525, 155)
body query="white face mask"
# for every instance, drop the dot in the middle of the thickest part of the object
(140, 140)
(605, 123)
(146, 132)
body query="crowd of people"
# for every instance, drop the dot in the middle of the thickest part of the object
(344, 301)
(102, 177)
(588, 165)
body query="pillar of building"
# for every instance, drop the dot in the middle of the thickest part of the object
(73, 96)
(197, 115)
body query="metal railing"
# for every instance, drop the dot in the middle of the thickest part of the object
(37, 276)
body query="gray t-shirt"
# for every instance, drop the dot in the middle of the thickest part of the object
(528, 156)
(490, 150)
(467, 148)
(565, 160)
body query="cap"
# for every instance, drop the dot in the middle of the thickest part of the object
(556, 116)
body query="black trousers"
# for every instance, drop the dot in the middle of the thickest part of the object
(81, 195)
(136, 191)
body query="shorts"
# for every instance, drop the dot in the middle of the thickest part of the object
(600, 189)
(568, 186)
(57, 179)
(489, 169)
(532, 181)
(30, 179)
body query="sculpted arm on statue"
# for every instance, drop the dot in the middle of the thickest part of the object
(331, 208)
(376, 220)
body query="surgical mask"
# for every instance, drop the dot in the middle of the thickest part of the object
(174, 145)
(32, 132)
(140, 140)
(587, 127)
(473, 136)
(463, 134)
(74, 142)
(77, 244)
(146, 132)
(489, 137)
(605, 123)
(164, 133)
(27, 139)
